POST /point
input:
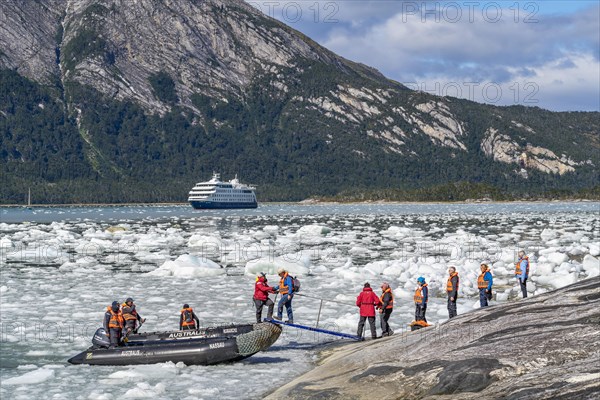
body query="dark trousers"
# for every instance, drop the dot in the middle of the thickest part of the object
(130, 326)
(115, 337)
(385, 327)
(259, 306)
(523, 283)
(420, 312)
(483, 298)
(288, 307)
(361, 326)
(452, 308)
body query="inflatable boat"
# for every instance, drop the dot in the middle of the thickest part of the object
(193, 351)
(101, 340)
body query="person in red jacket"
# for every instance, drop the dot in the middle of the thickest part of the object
(367, 300)
(261, 297)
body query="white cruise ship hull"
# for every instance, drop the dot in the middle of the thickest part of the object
(205, 205)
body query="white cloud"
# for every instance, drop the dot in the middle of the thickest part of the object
(555, 58)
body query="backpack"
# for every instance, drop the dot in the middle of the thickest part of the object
(295, 284)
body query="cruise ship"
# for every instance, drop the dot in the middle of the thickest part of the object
(218, 194)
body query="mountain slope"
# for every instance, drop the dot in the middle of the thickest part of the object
(149, 97)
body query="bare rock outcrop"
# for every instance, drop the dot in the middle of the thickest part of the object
(543, 347)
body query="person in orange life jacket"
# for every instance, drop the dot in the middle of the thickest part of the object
(452, 290)
(188, 320)
(484, 284)
(421, 297)
(286, 289)
(261, 297)
(131, 316)
(113, 323)
(367, 301)
(386, 308)
(522, 271)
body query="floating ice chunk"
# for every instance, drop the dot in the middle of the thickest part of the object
(376, 267)
(548, 250)
(30, 378)
(125, 375)
(3, 289)
(5, 243)
(313, 230)
(591, 265)
(594, 249)
(557, 280)
(501, 297)
(272, 229)
(270, 265)
(145, 391)
(397, 231)
(318, 269)
(542, 269)
(190, 266)
(394, 270)
(557, 258)
(548, 234)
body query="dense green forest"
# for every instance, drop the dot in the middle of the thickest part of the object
(72, 144)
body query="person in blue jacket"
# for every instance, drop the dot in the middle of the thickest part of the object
(522, 271)
(484, 284)
(420, 298)
(286, 289)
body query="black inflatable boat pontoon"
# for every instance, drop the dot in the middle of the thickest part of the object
(196, 351)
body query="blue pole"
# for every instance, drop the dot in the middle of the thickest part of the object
(308, 328)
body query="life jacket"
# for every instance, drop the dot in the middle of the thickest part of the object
(420, 323)
(116, 319)
(449, 287)
(391, 302)
(282, 288)
(518, 266)
(481, 283)
(188, 317)
(129, 313)
(419, 294)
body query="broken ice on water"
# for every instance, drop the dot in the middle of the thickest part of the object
(62, 267)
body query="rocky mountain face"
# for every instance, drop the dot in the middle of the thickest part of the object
(169, 90)
(543, 347)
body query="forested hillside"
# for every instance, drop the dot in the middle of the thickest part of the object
(132, 103)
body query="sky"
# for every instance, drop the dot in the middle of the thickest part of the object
(534, 53)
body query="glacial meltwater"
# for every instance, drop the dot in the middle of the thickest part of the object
(61, 267)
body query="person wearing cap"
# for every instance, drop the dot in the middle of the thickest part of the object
(113, 323)
(261, 297)
(188, 320)
(522, 272)
(367, 300)
(131, 316)
(452, 290)
(484, 284)
(420, 298)
(286, 290)
(386, 308)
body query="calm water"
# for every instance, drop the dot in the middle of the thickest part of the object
(121, 213)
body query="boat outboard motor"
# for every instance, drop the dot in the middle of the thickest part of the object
(100, 339)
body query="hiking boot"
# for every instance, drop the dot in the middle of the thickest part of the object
(278, 318)
(291, 321)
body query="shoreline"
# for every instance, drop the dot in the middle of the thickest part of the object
(305, 203)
